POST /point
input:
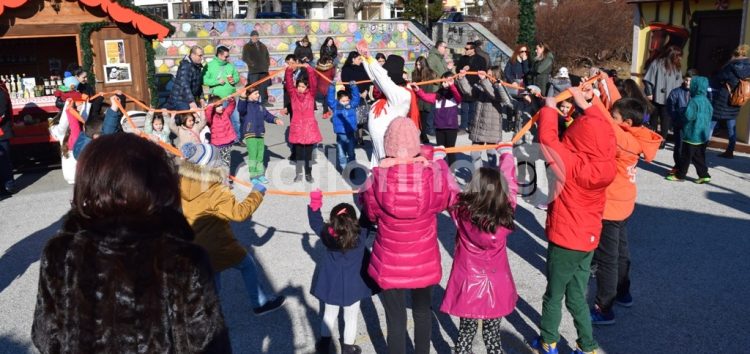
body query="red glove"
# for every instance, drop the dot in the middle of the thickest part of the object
(316, 200)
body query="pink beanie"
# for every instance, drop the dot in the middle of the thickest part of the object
(402, 139)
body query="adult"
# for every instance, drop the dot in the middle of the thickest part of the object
(303, 51)
(470, 61)
(220, 76)
(380, 57)
(482, 53)
(518, 66)
(255, 55)
(728, 77)
(188, 85)
(436, 59)
(422, 72)
(83, 80)
(7, 184)
(354, 71)
(662, 76)
(397, 100)
(330, 50)
(541, 67)
(122, 274)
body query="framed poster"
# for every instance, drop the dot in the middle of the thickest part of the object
(115, 73)
(114, 51)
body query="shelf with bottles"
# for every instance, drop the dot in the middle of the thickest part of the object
(19, 86)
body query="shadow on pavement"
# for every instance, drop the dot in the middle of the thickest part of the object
(17, 259)
(12, 346)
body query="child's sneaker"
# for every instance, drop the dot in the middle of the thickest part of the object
(674, 178)
(270, 306)
(543, 348)
(579, 351)
(624, 300)
(255, 180)
(263, 179)
(350, 349)
(703, 180)
(599, 317)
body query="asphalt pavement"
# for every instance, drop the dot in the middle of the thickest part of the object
(690, 279)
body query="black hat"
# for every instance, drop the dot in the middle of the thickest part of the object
(394, 65)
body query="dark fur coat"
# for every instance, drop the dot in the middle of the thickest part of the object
(124, 285)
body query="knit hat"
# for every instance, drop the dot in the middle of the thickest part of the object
(563, 72)
(253, 33)
(394, 65)
(402, 139)
(532, 88)
(201, 154)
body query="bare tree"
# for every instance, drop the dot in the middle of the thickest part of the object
(352, 8)
(252, 8)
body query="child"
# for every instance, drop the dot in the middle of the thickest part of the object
(584, 163)
(209, 206)
(155, 127)
(219, 120)
(566, 119)
(187, 126)
(403, 195)
(445, 114)
(303, 129)
(253, 115)
(326, 68)
(340, 281)
(290, 61)
(677, 102)
(611, 263)
(95, 126)
(344, 119)
(481, 284)
(696, 131)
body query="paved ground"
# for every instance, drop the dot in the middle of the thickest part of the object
(688, 243)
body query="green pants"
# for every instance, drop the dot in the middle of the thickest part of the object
(256, 151)
(567, 275)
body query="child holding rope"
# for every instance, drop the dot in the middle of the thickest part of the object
(187, 126)
(253, 116)
(445, 113)
(304, 133)
(95, 126)
(481, 285)
(341, 280)
(219, 120)
(344, 106)
(155, 127)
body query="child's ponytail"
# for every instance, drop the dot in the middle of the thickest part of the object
(343, 226)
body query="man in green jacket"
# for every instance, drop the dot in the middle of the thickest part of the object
(221, 77)
(436, 59)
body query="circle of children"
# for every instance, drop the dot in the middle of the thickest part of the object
(591, 134)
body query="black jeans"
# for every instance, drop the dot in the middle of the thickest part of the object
(303, 154)
(447, 138)
(6, 164)
(611, 264)
(263, 88)
(677, 131)
(661, 121)
(425, 118)
(695, 154)
(394, 303)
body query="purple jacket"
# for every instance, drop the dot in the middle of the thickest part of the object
(445, 113)
(404, 200)
(481, 284)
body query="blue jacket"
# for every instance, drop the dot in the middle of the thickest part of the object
(110, 125)
(516, 71)
(730, 74)
(677, 102)
(188, 84)
(344, 118)
(253, 117)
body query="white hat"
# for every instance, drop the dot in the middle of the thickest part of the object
(563, 72)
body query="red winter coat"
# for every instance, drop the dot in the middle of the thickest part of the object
(304, 128)
(404, 200)
(481, 284)
(584, 164)
(222, 131)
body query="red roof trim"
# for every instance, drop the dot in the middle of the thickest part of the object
(118, 13)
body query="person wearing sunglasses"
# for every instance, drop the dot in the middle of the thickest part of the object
(518, 65)
(470, 61)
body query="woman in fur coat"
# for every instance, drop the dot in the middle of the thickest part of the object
(122, 275)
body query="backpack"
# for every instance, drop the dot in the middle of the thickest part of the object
(740, 94)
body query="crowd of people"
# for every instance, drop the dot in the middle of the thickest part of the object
(138, 262)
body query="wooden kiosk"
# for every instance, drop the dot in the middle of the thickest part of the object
(111, 39)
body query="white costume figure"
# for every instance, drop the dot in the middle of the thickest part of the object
(59, 130)
(398, 102)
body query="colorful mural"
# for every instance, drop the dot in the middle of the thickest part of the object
(280, 37)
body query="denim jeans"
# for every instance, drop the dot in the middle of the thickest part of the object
(731, 131)
(345, 149)
(250, 276)
(468, 111)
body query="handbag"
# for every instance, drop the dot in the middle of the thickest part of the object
(741, 93)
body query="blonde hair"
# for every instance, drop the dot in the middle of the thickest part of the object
(742, 50)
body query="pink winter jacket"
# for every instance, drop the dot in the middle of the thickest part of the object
(304, 128)
(404, 200)
(222, 131)
(481, 284)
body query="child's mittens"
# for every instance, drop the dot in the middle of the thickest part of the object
(260, 188)
(438, 153)
(316, 200)
(504, 148)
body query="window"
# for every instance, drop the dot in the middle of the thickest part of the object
(195, 9)
(160, 11)
(396, 12)
(215, 10)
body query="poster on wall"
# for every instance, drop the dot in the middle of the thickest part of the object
(114, 51)
(115, 73)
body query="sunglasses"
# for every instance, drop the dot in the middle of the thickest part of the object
(524, 51)
(468, 48)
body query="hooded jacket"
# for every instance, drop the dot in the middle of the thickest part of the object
(209, 206)
(632, 142)
(184, 134)
(344, 118)
(303, 128)
(404, 199)
(584, 165)
(696, 129)
(127, 285)
(222, 131)
(253, 117)
(217, 70)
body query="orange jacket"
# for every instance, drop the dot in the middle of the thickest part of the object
(631, 143)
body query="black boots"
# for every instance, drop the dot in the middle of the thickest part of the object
(727, 154)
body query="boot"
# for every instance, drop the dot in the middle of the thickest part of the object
(323, 345)
(350, 349)
(727, 154)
